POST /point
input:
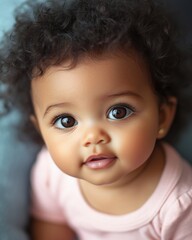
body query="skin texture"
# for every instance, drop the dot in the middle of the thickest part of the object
(86, 98)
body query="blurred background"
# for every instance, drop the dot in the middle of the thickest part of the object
(16, 157)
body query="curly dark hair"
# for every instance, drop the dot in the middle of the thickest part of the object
(52, 32)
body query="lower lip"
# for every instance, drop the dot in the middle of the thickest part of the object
(100, 163)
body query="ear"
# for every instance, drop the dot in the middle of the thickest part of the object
(33, 119)
(166, 115)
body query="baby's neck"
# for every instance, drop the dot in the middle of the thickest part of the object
(126, 196)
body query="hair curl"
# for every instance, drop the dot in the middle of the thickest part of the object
(49, 33)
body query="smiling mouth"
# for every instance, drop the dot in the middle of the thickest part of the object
(99, 162)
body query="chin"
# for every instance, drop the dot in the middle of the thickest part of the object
(102, 181)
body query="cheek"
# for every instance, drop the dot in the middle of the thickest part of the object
(136, 144)
(62, 152)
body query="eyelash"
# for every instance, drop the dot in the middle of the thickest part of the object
(127, 112)
(123, 105)
(59, 116)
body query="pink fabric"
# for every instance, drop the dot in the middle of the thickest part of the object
(167, 215)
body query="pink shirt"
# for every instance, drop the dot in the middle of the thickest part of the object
(167, 214)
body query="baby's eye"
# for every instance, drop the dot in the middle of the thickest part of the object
(119, 112)
(65, 122)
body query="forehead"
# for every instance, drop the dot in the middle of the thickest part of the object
(100, 74)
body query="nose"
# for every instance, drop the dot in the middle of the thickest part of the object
(94, 136)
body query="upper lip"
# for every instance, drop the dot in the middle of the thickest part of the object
(99, 157)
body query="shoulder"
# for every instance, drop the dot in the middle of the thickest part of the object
(46, 174)
(177, 175)
(47, 184)
(177, 219)
(177, 168)
(176, 212)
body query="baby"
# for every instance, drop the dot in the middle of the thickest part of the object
(101, 83)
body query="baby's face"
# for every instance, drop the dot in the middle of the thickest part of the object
(100, 119)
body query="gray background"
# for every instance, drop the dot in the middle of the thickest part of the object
(17, 157)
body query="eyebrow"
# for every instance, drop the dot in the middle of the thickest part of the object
(119, 94)
(57, 105)
(125, 93)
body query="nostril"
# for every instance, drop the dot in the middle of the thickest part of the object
(95, 142)
(95, 136)
(86, 144)
(101, 141)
